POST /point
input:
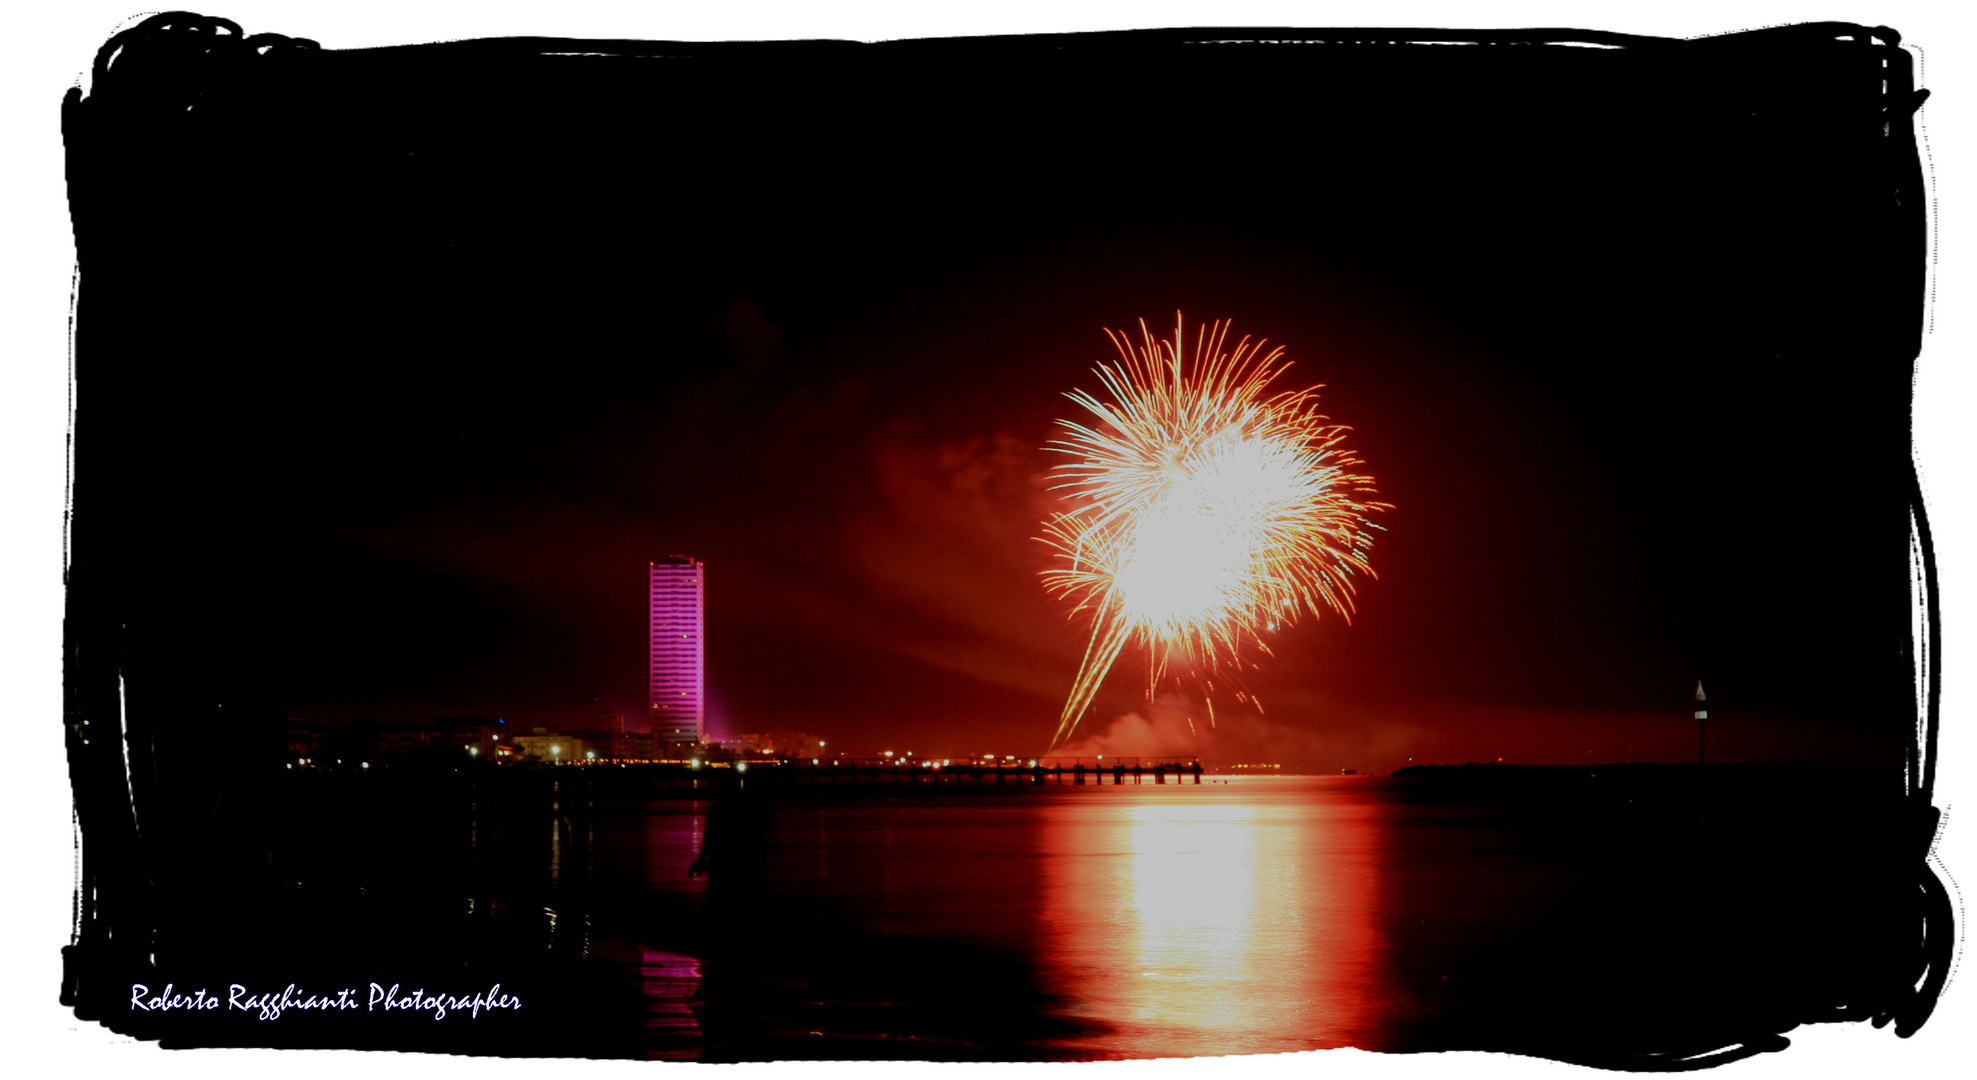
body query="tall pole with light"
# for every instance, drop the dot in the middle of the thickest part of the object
(1702, 726)
(1702, 752)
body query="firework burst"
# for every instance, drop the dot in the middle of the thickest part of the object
(1204, 511)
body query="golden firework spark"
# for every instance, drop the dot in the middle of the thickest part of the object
(1204, 511)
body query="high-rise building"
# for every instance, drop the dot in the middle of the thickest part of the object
(611, 722)
(678, 699)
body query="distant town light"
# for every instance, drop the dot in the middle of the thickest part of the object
(590, 755)
(366, 764)
(741, 766)
(473, 751)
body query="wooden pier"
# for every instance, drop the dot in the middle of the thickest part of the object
(906, 773)
(1034, 772)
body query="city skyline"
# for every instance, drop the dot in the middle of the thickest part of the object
(1597, 452)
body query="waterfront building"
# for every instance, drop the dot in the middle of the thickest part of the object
(636, 746)
(554, 749)
(400, 738)
(787, 744)
(303, 740)
(472, 736)
(677, 712)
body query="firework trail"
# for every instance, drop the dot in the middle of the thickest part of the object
(1204, 511)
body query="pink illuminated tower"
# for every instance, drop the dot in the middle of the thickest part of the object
(677, 712)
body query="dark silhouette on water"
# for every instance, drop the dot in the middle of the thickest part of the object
(737, 830)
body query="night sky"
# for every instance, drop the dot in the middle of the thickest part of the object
(411, 360)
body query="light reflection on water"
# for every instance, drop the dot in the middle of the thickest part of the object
(670, 982)
(1162, 920)
(1262, 915)
(1212, 922)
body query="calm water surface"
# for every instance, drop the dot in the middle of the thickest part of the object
(1588, 915)
(1594, 920)
(1254, 916)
